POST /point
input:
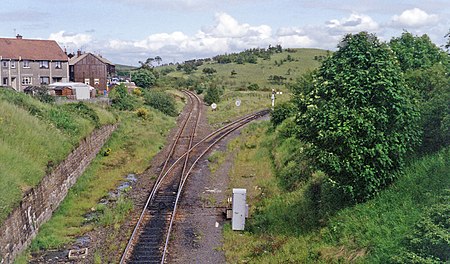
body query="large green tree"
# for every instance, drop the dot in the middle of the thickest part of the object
(427, 72)
(144, 78)
(359, 117)
(414, 52)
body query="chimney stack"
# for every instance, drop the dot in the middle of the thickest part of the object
(78, 53)
(18, 36)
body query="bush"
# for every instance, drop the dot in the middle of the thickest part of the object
(291, 163)
(42, 94)
(137, 92)
(359, 117)
(143, 113)
(253, 87)
(430, 239)
(282, 111)
(144, 78)
(83, 110)
(212, 95)
(433, 91)
(161, 101)
(121, 99)
(63, 120)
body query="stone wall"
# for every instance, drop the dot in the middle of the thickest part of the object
(38, 204)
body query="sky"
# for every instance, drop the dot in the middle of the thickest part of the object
(129, 31)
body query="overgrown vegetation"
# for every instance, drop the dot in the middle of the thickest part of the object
(360, 119)
(26, 125)
(144, 77)
(130, 149)
(298, 227)
(212, 95)
(427, 68)
(161, 101)
(121, 99)
(354, 132)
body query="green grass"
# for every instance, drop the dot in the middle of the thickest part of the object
(227, 110)
(236, 86)
(27, 145)
(132, 146)
(34, 138)
(303, 61)
(284, 229)
(380, 225)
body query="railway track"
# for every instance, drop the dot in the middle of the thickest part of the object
(150, 238)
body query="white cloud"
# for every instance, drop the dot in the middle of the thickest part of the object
(414, 18)
(289, 31)
(354, 23)
(228, 27)
(225, 36)
(71, 39)
(296, 41)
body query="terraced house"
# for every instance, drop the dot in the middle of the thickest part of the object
(30, 62)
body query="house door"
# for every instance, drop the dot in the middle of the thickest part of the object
(14, 84)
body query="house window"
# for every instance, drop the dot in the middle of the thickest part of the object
(26, 80)
(13, 64)
(43, 64)
(44, 80)
(5, 81)
(86, 81)
(5, 64)
(57, 65)
(26, 64)
(96, 81)
(57, 79)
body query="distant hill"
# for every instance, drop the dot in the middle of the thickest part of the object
(267, 73)
(124, 70)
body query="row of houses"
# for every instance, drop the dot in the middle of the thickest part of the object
(30, 62)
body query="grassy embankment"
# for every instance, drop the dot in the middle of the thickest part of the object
(131, 146)
(34, 133)
(35, 137)
(283, 227)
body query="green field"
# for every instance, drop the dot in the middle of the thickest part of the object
(302, 61)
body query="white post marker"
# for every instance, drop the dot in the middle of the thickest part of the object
(213, 106)
(273, 98)
(238, 102)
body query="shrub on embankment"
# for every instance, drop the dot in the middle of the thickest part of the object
(396, 226)
(35, 137)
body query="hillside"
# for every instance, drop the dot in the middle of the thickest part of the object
(35, 137)
(250, 83)
(124, 70)
(288, 64)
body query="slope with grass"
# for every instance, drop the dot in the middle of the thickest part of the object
(300, 61)
(141, 134)
(397, 226)
(35, 137)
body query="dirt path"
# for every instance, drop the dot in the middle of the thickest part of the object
(198, 230)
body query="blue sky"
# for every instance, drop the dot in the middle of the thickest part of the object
(128, 31)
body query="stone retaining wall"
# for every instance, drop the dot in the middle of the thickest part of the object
(38, 204)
